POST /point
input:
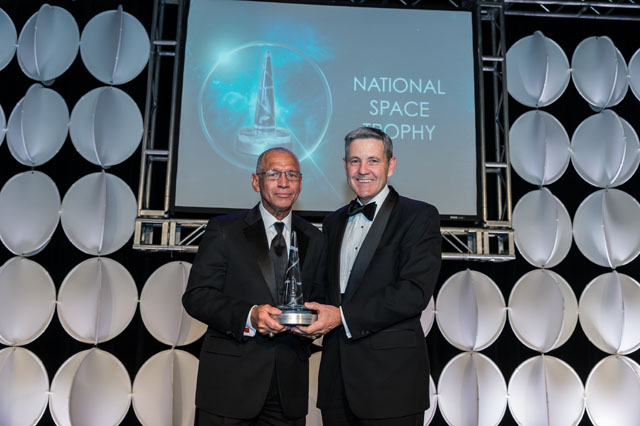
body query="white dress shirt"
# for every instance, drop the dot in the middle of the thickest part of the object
(354, 234)
(269, 220)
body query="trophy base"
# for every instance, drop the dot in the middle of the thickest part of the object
(253, 141)
(296, 316)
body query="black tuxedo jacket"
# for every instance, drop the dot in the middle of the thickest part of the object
(232, 271)
(384, 365)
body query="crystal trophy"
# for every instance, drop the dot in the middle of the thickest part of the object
(264, 133)
(292, 304)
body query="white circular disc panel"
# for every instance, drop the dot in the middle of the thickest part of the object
(97, 300)
(164, 390)
(610, 313)
(427, 316)
(433, 403)
(99, 213)
(114, 47)
(545, 390)
(471, 311)
(605, 150)
(106, 126)
(606, 228)
(472, 391)
(29, 212)
(38, 126)
(537, 71)
(542, 228)
(3, 124)
(634, 74)
(613, 391)
(543, 310)
(8, 39)
(599, 72)
(90, 388)
(538, 147)
(48, 43)
(161, 306)
(24, 387)
(27, 301)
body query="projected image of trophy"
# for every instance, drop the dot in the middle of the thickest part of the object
(292, 303)
(264, 133)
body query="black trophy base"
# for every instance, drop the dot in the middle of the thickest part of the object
(296, 316)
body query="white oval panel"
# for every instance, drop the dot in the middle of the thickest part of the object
(114, 47)
(606, 228)
(97, 300)
(433, 403)
(538, 147)
(48, 43)
(599, 72)
(106, 126)
(605, 150)
(543, 310)
(8, 39)
(470, 310)
(634, 74)
(27, 301)
(613, 391)
(38, 126)
(24, 387)
(90, 388)
(545, 390)
(161, 306)
(3, 123)
(29, 212)
(99, 213)
(610, 313)
(472, 391)
(542, 228)
(427, 316)
(537, 71)
(164, 390)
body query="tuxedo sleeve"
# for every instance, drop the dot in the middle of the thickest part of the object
(416, 260)
(204, 298)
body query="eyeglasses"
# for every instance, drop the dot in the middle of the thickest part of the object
(291, 175)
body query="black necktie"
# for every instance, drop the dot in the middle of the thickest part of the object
(368, 210)
(278, 253)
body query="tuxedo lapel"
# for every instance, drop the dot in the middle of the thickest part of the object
(257, 240)
(370, 244)
(335, 254)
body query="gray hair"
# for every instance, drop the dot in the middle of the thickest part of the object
(369, 133)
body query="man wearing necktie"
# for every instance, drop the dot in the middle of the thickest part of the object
(252, 371)
(384, 259)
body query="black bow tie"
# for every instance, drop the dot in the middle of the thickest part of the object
(368, 210)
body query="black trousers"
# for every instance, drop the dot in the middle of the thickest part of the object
(339, 413)
(270, 415)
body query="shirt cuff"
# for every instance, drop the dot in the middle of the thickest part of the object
(248, 328)
(344, 324)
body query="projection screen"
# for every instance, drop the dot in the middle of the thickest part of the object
(301, 76)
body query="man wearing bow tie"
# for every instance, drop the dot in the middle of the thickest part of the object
(384, 260)
(252, 371)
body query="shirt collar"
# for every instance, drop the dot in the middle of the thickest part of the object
(379, 198)
(268, 219)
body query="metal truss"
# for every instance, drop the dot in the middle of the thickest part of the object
(491, 239)
(617, 10)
